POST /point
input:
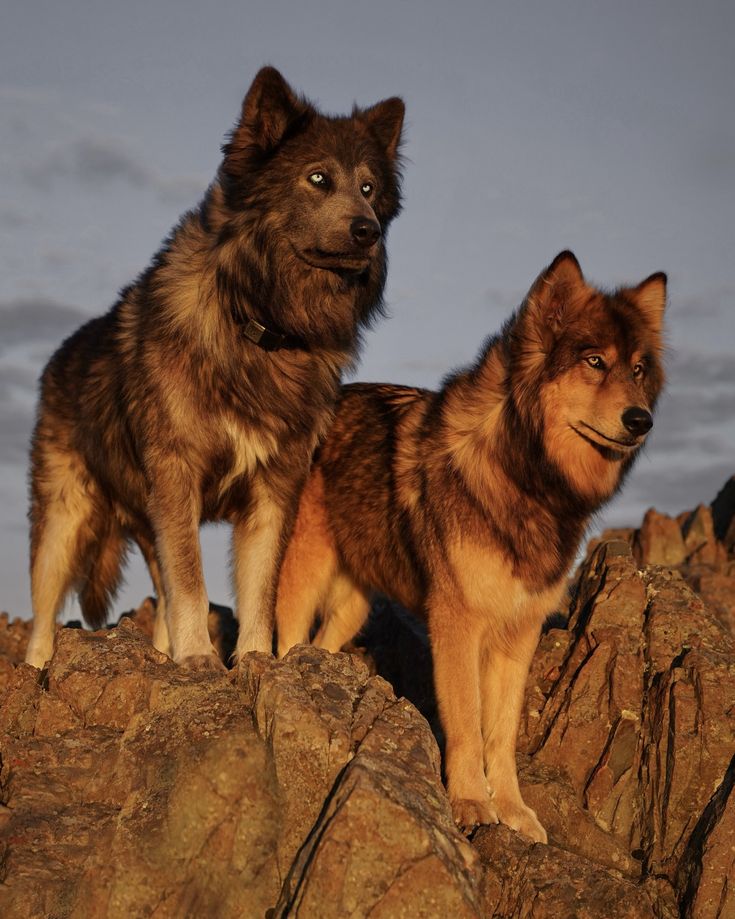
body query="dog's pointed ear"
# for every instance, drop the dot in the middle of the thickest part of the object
(650, 298)
(385, 120)
(269, 108)
(555, 291)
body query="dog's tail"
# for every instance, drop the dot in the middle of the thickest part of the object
(104, 570)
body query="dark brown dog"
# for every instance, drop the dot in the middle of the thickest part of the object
(201, 394)
(467, 506)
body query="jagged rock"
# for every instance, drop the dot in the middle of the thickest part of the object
(303, 787)
(638, 732)
(723, 514)
(590, 726)
(14, 637)
(385, 844)
(700, 541)
(702, 549)
(689, 728)
(717, 589)
(133, 787)
(707, 866)
(320, 713)
(659, 541)
(525, 881)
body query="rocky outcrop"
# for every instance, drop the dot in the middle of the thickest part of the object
(637, 735)
(305, 787)
(698, 543)
(133, 788)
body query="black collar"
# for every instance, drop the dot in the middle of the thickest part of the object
(265, 338)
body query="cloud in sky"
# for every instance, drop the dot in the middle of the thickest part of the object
(50, 141)
(24, 321)
(97, 160)
(91, 160)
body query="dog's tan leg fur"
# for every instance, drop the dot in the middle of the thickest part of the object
(503, 682)
(345, 611)
(60, 530)
(455, 636)
(175, 514)
(308, 569)
(256, 549)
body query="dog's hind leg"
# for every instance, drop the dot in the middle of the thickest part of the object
(345, 611)
(301, 592)
(62, 531)
(161, 639)
(503, 684)
(308, 569)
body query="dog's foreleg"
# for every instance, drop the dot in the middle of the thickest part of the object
(503, 685)
(175, 515)
(455, 646)
(258, 542)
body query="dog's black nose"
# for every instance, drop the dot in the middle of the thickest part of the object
(637, 420)
(364, 231)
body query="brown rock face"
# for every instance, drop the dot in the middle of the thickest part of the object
(659, 541)
(132, 788)
(303, 787)
(541, 882)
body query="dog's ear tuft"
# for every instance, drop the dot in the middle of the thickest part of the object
(556, 292)
(269, 108)
(385, 119)
(650, 298)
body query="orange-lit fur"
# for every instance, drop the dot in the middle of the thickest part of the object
(467, 506)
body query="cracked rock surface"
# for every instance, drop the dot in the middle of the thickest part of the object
(304, 787)
(134, 788)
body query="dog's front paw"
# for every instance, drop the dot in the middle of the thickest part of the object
(469, 814)
(203, 663)
(518, 816)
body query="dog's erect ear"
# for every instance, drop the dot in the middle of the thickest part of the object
(555, 292)
(385, 119)
(268, 109)
(650, 298)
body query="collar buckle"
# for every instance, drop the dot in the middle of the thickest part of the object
(261, 336)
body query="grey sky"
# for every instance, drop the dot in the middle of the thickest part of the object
(604, 127)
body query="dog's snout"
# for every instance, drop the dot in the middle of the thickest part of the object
(637, 420)
(365, 232)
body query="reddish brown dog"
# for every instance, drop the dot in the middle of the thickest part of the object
(468, 505)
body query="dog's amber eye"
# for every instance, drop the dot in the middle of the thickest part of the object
(367, 189)
(318, 178)
(638, 371)
(594, 360)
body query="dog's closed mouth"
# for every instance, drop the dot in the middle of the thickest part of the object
(627, 444)
(320, 258)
